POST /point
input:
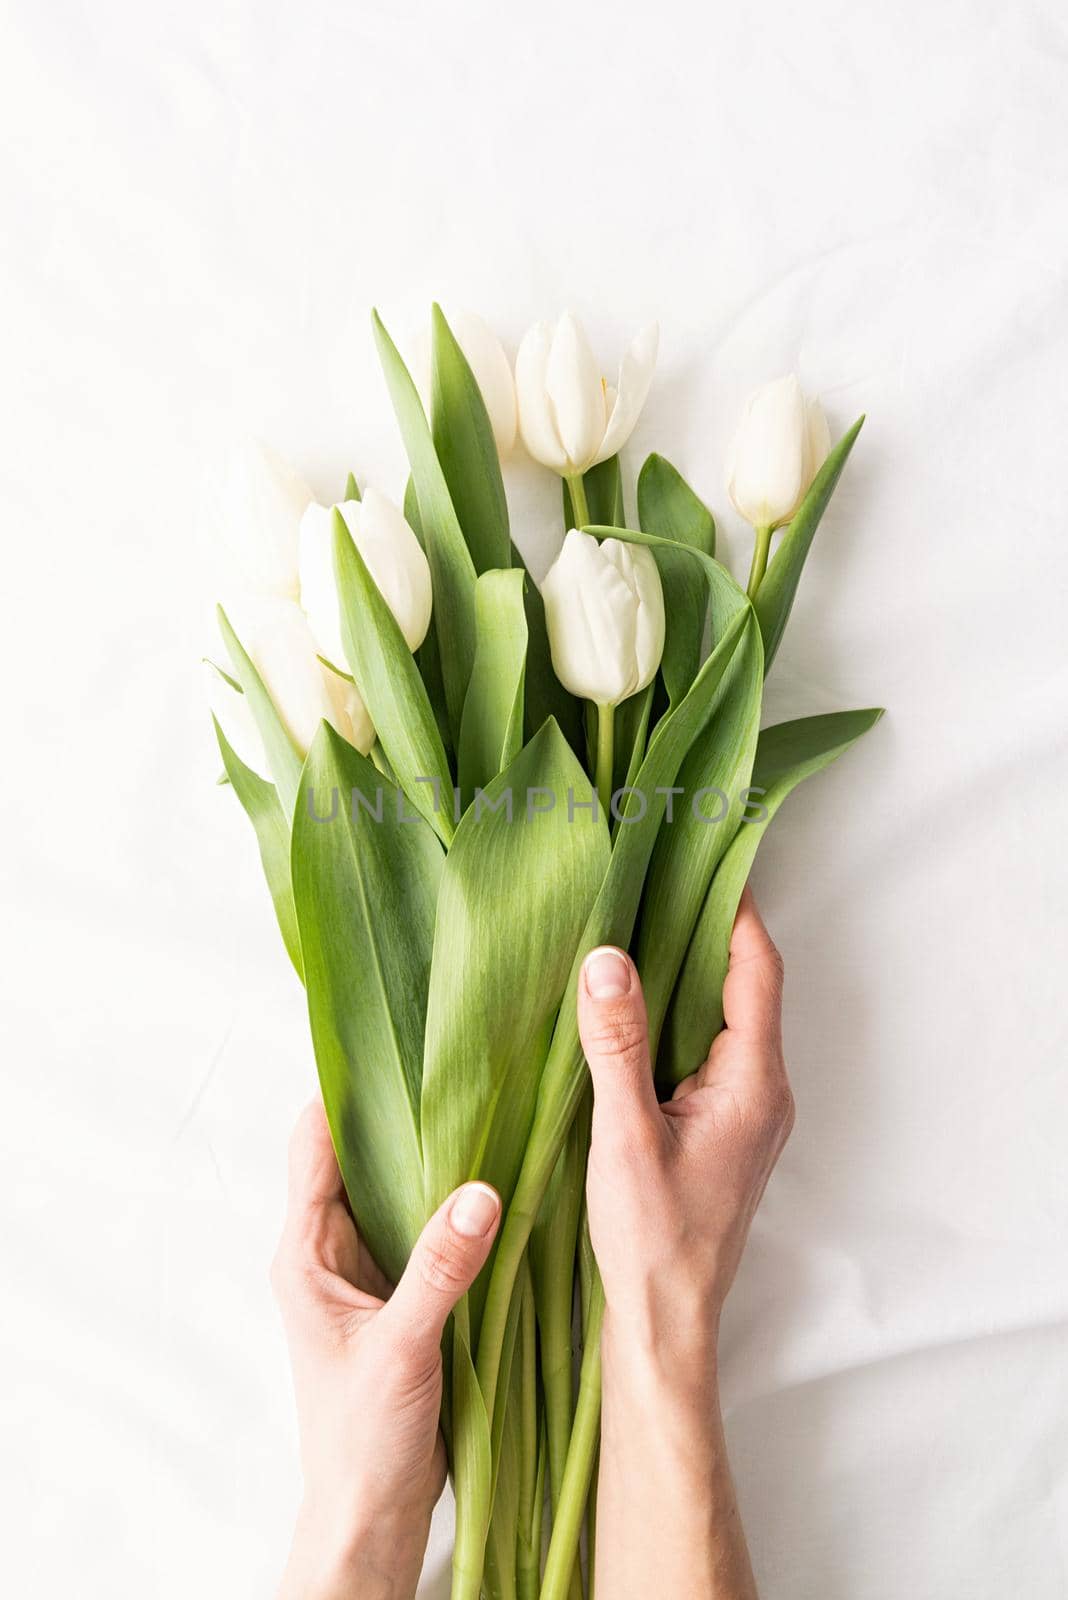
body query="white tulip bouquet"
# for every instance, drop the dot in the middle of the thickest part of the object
(461, 784)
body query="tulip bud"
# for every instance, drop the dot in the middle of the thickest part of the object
(780, 445)
(569, 418)
(279, 642)
(394, 559)
(490, 367)
(604, 610)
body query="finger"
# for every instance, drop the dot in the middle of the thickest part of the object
(752, 992)
(314, 1176)
(319, 1232)
(448, 1256)
(615, 1038)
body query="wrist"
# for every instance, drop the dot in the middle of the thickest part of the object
(663, 1447)
(661, 1383)
(340, 1554)
(662, 1335)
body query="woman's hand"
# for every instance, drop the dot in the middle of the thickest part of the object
(367, 1375)
(671, 1191)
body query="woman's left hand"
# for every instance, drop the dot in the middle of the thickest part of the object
(367, 1375)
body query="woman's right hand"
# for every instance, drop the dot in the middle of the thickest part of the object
(671, 1193)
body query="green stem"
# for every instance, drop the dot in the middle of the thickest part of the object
(556, 1380)
(589, 1279)
(760, 561)
(555, 1301)
(552, 1119)
(539, 1497)
(606, 723)
(528, 1554)
(552, 1254)
(472, 1486)
(579, 504)
(585, 1437)
(500, 1578)
(591, 1524)
(499, 1419)
(587, 1271)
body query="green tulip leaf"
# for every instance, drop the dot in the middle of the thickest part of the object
(467, 450)
(668, 507)
(786, 755)
(452, 571)
(223, 674)
(775, 597)
(352, 488)
(491, 732)
(284, 756)
(491, 1007)
(686, 603)
(365, 883)
(264, 811)
(713, 779)
(389, 682)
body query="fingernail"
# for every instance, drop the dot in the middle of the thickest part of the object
(607, 974)
(474, 1211)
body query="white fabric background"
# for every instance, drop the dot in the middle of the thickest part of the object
(201, 204)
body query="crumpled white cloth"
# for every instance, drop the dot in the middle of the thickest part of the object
(201, 203)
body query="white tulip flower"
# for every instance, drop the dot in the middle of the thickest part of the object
(269, 501)
(489, 365)
(263, 503)
(780, 445)
(604, 613)
(604, 610)
(394, 558)
(569, 417)
(275, 634)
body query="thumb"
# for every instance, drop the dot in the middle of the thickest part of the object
(615, 1038)
(448, 1256)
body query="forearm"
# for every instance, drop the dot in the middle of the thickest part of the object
(333, 1558)
(667, 1516)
